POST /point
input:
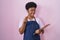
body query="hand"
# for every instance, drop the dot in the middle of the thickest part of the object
(42, 31)
(37, 31)
(25, 20)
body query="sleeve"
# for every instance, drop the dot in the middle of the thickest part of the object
(20, 23)
(40, 22)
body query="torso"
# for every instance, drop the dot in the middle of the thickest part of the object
(31, 26)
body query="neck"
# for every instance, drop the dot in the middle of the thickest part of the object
(30, 17)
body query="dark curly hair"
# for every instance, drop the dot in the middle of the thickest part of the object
(30, 4)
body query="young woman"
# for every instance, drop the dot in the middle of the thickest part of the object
(30, 25)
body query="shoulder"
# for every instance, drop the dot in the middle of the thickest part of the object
(37, 20)
(40, 21)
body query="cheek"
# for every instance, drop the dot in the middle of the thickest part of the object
(32, 13)
(29, 11)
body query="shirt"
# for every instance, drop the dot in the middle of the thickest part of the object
(39, 21)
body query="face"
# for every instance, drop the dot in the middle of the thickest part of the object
(31, 11)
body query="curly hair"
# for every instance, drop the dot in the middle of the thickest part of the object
(30, 4)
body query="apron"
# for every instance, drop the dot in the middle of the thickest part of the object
(30, 29)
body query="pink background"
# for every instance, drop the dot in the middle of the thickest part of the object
(11, 11)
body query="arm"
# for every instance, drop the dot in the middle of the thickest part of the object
(38, 31)
(42, 29)
(22, 29)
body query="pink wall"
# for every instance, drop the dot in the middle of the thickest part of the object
(11, 11)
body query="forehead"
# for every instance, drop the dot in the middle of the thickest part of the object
(32, 8)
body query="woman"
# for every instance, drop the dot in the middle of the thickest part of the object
(30, 26)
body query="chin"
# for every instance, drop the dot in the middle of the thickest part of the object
(32, 16)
